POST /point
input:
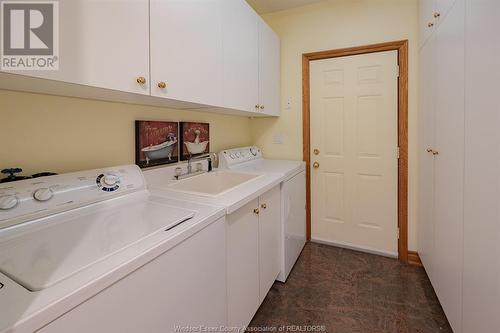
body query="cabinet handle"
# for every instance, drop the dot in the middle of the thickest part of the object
(162, 85)
(263, 206)
(262, 106)
(141, 80)
(257, 106)
(429, 150)
(435, 152)
(437, 14)
(256, 211)
(430, 24)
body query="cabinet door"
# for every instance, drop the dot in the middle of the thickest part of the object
(449, 164)
(269, 70)
(481, 285)
(426, 159)
(426, 17)
(241, 57)
(269, 239)
(186, 50)
(242, 265)
(102, 44)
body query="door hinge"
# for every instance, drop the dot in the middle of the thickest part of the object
(397, 152)
(398, 233)
(397, 71)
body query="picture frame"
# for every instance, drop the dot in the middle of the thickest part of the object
(156, 143)
(194, 139)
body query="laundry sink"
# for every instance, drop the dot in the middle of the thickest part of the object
(213, 183)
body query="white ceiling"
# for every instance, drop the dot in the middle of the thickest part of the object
(269, 6)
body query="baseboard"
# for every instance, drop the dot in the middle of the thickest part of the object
(353, 247)
(414, 259)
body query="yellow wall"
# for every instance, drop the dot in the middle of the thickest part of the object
(62, 134)
(329, 25)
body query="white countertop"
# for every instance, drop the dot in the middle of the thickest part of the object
(27, 311)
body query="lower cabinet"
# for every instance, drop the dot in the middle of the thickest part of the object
(253, 255)
(184, 287)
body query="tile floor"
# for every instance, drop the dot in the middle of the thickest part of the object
(342, 291)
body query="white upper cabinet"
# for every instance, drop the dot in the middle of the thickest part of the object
(103, 44)
(213, 54)
(241, 58)
(269, 70)
(186, 50)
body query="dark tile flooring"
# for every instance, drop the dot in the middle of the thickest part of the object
(345, 291)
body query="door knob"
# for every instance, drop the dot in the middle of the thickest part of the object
(141, 80)
(315, 165)
(162, 85)
(316, 151)
(263, 206)
(256, 211)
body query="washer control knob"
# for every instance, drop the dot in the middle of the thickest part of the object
(8, 202)
(43, 194)
(110, 180)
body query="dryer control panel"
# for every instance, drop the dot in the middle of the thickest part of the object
(25, 200)
(232, 157)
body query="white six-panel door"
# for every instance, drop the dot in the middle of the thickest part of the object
(354, 130)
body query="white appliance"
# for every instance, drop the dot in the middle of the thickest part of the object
(293, 197)
(63, 238)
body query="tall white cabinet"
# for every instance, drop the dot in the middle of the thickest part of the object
(459, 160)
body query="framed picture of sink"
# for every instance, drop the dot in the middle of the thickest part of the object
(194, 139)
(156, 143)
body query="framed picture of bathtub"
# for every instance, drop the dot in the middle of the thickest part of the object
(156, 143)
(194, 139)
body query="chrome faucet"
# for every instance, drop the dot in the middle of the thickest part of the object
(191, 158)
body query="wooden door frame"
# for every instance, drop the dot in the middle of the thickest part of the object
(402, 48)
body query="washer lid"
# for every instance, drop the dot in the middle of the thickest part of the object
(52, 249)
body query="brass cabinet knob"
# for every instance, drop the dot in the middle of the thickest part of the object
(141, 80)
(263, 206)
(256, 211)
(430, 24)
(437, 14)
(316, 165)
(316, 151)
(162, 85)
(432, 151)
(262, 106)
(257, 106)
